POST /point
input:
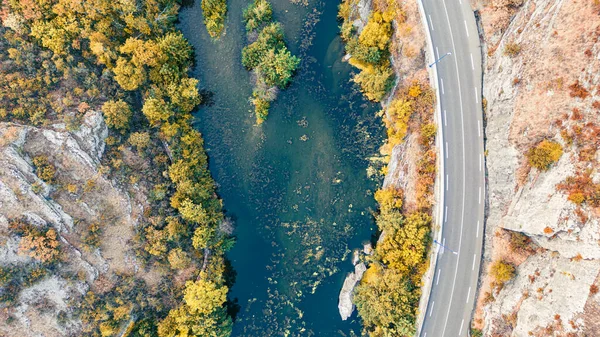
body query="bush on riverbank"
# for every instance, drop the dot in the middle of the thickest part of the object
(268, 57)
(388, 297)
(214, 16)
(369, 51)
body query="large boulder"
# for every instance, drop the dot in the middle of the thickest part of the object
(345, 305)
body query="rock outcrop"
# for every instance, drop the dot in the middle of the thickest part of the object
(537, 49)
(81, 195)
(345, 304)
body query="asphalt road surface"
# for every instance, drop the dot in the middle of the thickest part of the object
(453, 29)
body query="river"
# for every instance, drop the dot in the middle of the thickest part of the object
(297, 185)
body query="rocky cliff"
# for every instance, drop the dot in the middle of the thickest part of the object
(541, 82)
(80, 195)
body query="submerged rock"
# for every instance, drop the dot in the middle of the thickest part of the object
(345, 305)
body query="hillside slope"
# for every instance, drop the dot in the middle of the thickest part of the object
(542, 86)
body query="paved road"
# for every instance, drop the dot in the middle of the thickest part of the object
(453, 29)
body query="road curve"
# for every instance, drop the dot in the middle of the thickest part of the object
(453, 29)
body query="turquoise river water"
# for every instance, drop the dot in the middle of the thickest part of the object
(297, 185)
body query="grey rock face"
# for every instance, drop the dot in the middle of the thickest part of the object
(345, 305)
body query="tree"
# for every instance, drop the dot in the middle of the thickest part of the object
(178, 259)
(156, 110)
(202, 314)
(376, 83)
(156, 241)
(399, 113)
(214, 16)
(377, 32)
(257, 13)
(128, 75)
(193, 212)
(117, 114)
(277, 67)
(387, 304)
(40, 245)
(184, 94)
(545, 154)
(203, 236)
(43, 169)
(140, 140)
(404, 246)
(389, 199)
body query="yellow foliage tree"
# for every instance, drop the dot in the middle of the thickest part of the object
(389, 199)
(202, 314)
(545, 154)
(377, 32)
(406, 241)
(502, 271)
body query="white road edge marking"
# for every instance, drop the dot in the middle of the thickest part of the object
(446, 215)
(474, 259)
(461, 326)
(431, 310)
(476, 96)
(437, 52)
(431, 23)
(446, 182)
(466, 29)
(477, 234)
(445, 118)
(438, 277)
(442, 80)
(462, 120)
(472, 64)
(468, 295)
(446, 150)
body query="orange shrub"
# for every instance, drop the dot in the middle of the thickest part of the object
(577, 90)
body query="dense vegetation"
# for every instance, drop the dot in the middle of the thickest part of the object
(60, 58)
(214, 16)
(388, 296)
(267, 56)
(369, 50)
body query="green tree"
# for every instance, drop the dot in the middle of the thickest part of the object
(277, 67)
(257, 14)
